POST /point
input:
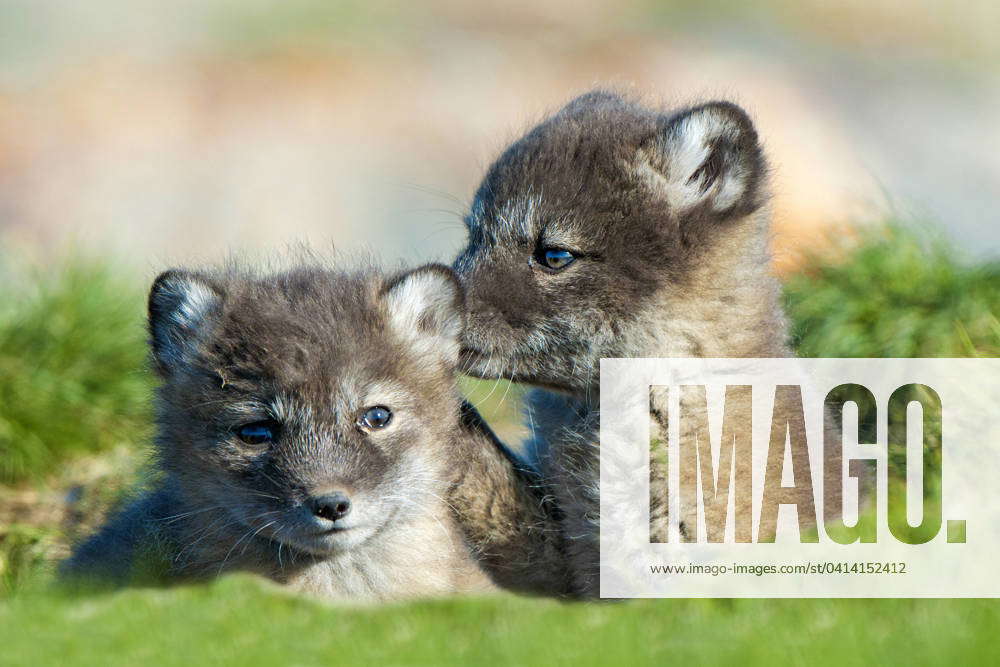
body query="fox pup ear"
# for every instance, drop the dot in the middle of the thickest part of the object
(709, 157)
(426, 308)
(180, 303)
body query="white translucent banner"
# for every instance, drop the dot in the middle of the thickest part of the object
(800, 477)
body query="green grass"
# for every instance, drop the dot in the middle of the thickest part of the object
(73, 376)
(72, 383)
(24, 555)
(239, 621)
(896, 294)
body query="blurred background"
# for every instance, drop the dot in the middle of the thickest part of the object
(173, 131)
(140, 134)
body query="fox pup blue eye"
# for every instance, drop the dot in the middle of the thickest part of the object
(257, 433)
(377, 417)
(557, 259)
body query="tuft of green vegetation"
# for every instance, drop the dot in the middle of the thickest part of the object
(24, 555)
(895, 293)
(73, 376)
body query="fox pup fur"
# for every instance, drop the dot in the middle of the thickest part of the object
(615, 230)
(310, 431)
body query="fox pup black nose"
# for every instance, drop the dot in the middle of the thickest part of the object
(332, 506)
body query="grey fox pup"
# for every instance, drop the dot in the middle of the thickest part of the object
(310, 431)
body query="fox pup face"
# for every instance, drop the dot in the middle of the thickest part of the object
(580, 225)
(314, 408)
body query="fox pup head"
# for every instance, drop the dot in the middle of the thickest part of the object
(580, 226)
(313, 408)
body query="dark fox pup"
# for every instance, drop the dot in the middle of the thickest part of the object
(310, 431)
(613, 230)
